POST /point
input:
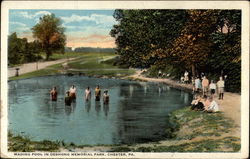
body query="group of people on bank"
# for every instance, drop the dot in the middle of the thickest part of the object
(204, 92)
(202, 100)
(204, 103)
(71, 95)
(204, 86)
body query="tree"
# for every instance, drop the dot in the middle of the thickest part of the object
(142, 34)
(50, 34)
(15, 49)
(194, 44)
(21, 51)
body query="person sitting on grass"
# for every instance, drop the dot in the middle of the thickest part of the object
(67, 99)
(106, 97)
(211, 106)
(197, 104)
(53, 94)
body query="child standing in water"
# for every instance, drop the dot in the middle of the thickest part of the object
(53, 94)
(105, 97)
(87, 94)
(72, 93)
(67, 99)
(97, 93)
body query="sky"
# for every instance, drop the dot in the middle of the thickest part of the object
(83, 28)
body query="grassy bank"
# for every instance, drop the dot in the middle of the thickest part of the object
(88, 64)
(191, 131)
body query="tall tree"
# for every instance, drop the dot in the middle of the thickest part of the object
(140, 33)
(16, 49)
(50, 33)
(21, 51)
(194, 44)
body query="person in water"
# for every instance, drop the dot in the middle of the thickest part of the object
(87, 94)
(53, 94)
(106, 97)
(97, 93)
(67, 99)
(72, 93)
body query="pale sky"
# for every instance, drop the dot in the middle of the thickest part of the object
(84, 28)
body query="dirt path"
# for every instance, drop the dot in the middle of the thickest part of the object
(231, 104)
(30, 67)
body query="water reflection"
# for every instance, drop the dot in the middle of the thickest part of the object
(87, 106)
(68, 109)
(136, 111)
(97, 107)
(106, 108)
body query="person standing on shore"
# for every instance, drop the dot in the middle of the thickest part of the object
(193, 84)
(159, 74)
(186, 79)
(97, 93)
(53, 94)
(205, 84)
(87, 94)
(212, 88)
(221, 85)
(197, 84)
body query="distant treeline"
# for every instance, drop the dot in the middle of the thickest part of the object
(90, 49)
(21, 51)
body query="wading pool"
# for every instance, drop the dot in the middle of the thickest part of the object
(137, 111)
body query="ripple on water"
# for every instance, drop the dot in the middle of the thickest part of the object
(136, 113)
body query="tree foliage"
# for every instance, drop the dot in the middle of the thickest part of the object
(50, 34)
(194, 44)
(141, 33)
(199, 40)
(21, 51)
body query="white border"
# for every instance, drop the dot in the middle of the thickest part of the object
(77, 5)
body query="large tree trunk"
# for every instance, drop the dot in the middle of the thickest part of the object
(193, 70)
(48, 53)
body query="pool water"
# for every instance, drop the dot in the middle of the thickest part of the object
(137, 111)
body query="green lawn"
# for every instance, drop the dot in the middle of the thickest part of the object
(57, 56)
(89, 64)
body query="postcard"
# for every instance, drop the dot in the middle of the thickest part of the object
(125, 79)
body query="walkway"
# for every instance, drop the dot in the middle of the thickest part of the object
(34, 66)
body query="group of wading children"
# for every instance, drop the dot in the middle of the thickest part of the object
(203, 102)
(71, 95)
